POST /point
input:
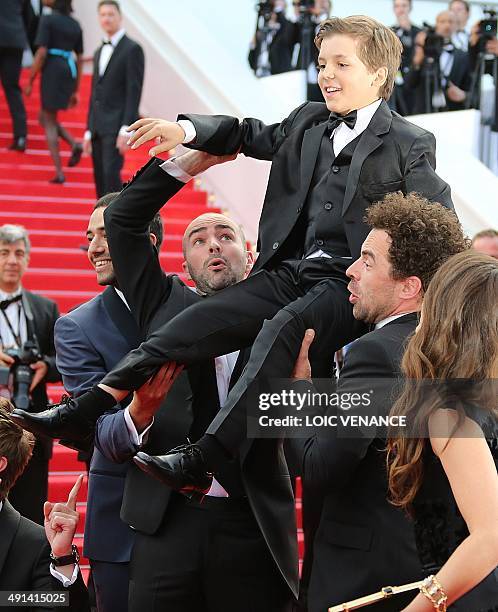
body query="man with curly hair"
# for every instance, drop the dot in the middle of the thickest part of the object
(361, 537)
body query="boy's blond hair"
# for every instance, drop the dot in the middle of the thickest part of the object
(378, 45)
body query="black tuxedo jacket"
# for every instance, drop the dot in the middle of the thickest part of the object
(15, 17)
(155, 298)
(116, 94)
(460, 75)
(363, 542)
(25, 561)
(392, 155)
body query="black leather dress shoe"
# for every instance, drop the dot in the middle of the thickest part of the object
(19, 144)
(183, 468)
(59, 421)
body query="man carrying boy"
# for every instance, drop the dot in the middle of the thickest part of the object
(330, 162)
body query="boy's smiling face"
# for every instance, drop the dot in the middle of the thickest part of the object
(346, 83)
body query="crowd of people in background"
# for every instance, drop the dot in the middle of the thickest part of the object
(367, 255)
(438, 62)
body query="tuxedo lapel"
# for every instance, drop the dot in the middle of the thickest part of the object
(369, 141)
(9, 524)
(121, 317)
(309, 153)
(115, 54)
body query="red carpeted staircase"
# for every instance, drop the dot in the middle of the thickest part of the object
(56, 217)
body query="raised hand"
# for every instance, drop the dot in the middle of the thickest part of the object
(167, 134)
(61, 521)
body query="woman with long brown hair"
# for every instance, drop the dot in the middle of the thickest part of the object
(447, 478)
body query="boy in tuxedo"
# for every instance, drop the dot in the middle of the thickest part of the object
(330, 162)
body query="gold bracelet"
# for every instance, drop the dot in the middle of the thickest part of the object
(432, 589)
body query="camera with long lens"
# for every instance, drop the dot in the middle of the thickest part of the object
(305, 6)
(488, 28)
(265, 9)
(434, 43)
(19, 375)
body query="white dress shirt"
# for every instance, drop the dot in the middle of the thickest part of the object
(389, 319)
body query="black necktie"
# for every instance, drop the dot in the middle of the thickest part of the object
(6, 303)
(335, 120)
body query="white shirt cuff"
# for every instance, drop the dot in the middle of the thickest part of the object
(64, 579)
(123, 131)
(175, 171)
(189, 129)
(136, 438)
(87, 135)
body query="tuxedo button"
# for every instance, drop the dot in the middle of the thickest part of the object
(275, 246)
(299, 209)
(335, 169)
(328, 206)
(319, 242)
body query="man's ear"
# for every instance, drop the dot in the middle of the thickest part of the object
(186, 270)
(412, 288)
(250, 261)
(3, 463)
(380, 77)
(153, 239)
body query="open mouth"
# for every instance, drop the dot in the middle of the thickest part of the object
(331, 91)
(217, 264)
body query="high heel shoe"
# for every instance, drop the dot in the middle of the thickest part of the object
(58, 179)
(76, 154)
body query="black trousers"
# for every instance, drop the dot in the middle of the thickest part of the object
(107, 164)
(10, 71)
(110, 581)
(271, 311)
(206, 557)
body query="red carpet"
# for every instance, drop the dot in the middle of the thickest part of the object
(56, 217)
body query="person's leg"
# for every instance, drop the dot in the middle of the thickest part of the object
(111, 581)
(217, 325)
(48, 119)
(112, 164)
(98, 165)
(165, 566)
(239, 571)
(65, 135)
(10, 72)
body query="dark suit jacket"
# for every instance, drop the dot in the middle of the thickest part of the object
(362, 542)
(15, 18)
(116, 94)
(155, 298)
(392, 155)
(90, 340)
(460, 75)
(281, 48)
(25, 561)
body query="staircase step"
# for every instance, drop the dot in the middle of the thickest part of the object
(61, 483)
(65, 459)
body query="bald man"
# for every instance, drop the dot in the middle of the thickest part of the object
(220, 554)
(486, 242)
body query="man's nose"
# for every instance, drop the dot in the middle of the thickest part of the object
(215, 246)
(352, 271)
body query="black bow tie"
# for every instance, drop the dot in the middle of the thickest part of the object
(335, 120)
(4, 304)
(106, 42)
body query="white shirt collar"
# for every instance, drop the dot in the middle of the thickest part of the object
(363, 117)
(115, 38)
(121, 295)
(7, 296)
(389, 319)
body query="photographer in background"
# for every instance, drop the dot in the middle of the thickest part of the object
(483, 54)
(406, 32)
(440, 75)
(273, 43)
(309, 15)
(27, 360)
(461, 10)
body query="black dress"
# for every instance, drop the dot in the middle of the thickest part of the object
(440, 528)
(58, 33)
